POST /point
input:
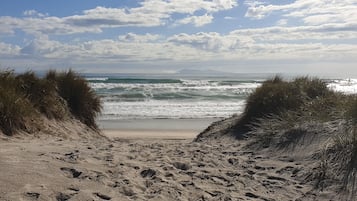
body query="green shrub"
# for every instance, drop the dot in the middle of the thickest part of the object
(82, 101)
(14, 106)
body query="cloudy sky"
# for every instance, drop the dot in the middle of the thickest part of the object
(151, 36)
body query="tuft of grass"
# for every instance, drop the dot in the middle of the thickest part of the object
(24, 97)
(342, 159)
(14, 106)
(82, 101)
(351, 144)
(296, 114)
(352, 112)
(276, 96)
(42, 94)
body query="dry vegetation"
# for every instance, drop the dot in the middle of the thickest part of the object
(26, 97)
(292, 115)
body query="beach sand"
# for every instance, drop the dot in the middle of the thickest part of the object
(154, 128)
(143, 166)
(139, 165)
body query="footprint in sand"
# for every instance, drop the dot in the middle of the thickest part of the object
(148, 173)
(102, 196)
(32, 195)
(74, 189)
(233, 161)
(62, 197)
(71, 157)
(127, 191)
(181, 166)
(71, 172)
(252, 195)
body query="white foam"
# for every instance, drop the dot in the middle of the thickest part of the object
(347, 86)
(170, 110)
(97, 78)
(174, 86)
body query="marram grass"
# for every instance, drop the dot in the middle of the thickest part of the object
(282, 114)
(58, 96)
(81, 99)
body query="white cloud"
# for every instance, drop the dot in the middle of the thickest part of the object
(306, 43)
(149, 13)
(42, 26)
(132, 37)
(152, 13)
(128, 48)
(311, 12)
(34, 13)
(115, 17)
(258, 12)
(320, 32)
(8, 50)
(186, 6)
(197, 21)
(229, 18)
(46, 49)
(319, 19)
(282, 22)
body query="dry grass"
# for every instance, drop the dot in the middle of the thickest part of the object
(277, 96)
(42, 94)
(25, 96)
(14, 105)
(345, 145)
(82, 101)
(283, 114)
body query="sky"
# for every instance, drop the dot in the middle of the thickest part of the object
(165, 36)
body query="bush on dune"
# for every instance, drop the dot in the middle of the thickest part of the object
(82, 101)
(277, 107)
(14, 106)
(24, 97)
(348, 147)
(276, 96)
(42, 94)
(305, 112)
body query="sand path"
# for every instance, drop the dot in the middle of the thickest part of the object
(144, 169)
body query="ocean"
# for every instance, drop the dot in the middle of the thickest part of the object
(133, 97)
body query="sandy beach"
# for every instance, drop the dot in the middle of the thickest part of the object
(155, 128)
(138, 165)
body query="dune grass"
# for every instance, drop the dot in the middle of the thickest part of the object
(15, 108)
(276, 96)
(42, 94)
(24, 97)
(346, 147)
(278, 107)
(82, 101)
(289, 114)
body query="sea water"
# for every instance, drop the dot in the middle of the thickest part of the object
(132, 97)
